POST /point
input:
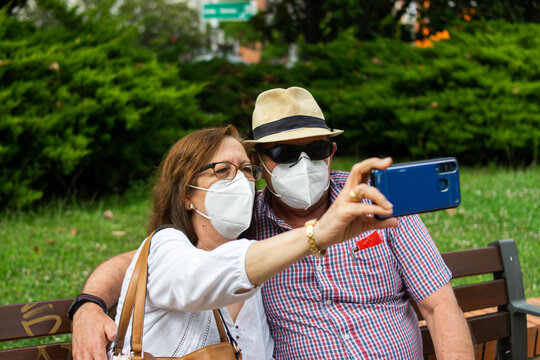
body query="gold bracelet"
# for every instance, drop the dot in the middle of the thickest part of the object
(311, 239)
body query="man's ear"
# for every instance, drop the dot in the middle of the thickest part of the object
(254, 158)
(334, 149)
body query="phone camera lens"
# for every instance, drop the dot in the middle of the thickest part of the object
(442, 184)
(447, 167)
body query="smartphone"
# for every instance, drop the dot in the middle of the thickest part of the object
(419, 186)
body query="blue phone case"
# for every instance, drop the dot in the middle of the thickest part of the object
(420, 186)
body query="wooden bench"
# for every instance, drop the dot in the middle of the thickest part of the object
(32, 320)
(507, 324)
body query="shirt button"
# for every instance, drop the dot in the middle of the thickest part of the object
(238, 337)
(237, 326)
(319, 267)
(346, 336)
(328, 302)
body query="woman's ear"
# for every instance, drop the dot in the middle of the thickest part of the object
(188, 203)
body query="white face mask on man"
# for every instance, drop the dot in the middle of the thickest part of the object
(301, 184)
(229, 204)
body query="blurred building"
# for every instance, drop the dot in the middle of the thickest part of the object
(219, 45)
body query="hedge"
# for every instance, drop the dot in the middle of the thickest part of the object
(83, 110)
(475, 96)
(89, 111)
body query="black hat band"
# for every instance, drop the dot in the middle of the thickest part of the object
(287, 124)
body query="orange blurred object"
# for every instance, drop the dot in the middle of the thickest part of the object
(440, 35)
(423, 43)
(444, 35)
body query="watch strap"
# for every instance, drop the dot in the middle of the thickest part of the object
(84, 298)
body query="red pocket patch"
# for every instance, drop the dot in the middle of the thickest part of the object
(371, 240)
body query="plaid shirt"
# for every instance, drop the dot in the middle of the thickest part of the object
(353, 303)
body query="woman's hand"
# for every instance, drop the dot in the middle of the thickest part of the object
(349, 215)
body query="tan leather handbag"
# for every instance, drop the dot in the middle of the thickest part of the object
(227, 349)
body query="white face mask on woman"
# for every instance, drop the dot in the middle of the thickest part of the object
(229, 204)
(301, 184)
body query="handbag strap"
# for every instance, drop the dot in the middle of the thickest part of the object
(134, 303)
(222, 335)
(225, 337)
(140, 300)
(129, 299)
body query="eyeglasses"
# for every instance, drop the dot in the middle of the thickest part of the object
(286, 154)
(225, 170)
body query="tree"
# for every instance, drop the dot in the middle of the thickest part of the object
(436, 15)
(11, 5)
(169, 28)
(317, 21)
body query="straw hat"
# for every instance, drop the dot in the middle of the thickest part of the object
(287, 114)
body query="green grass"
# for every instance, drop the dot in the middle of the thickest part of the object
(41, 258)
(48, 253)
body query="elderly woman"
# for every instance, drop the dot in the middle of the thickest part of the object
(206, 187)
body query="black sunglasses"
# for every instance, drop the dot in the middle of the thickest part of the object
(287, 154)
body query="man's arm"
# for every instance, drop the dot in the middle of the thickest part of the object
(447, 325)
(92, 328)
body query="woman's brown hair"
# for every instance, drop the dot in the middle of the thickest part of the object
(177, 170)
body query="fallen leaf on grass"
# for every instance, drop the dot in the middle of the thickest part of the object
(50, 242)
(74, 231)
(108, 214)
(54, 66)
(451, 211)
(118, 233)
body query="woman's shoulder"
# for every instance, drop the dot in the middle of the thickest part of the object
(170, 234)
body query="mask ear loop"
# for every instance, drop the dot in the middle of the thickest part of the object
(192, 207)
(268, 171)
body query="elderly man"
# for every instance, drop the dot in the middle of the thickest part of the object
(349, 303)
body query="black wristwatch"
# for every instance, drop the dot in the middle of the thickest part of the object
(84, 298)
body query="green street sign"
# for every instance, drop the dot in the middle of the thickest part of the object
(231, 11)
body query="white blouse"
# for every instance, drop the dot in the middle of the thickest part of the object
(184, 284)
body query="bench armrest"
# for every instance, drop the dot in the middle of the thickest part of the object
(523, 306)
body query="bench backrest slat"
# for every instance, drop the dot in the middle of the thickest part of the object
(58, 351)
(483, 328)
(481, 295)
(477, 296)
(34, 319)
(491, 297)
(474, 261)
